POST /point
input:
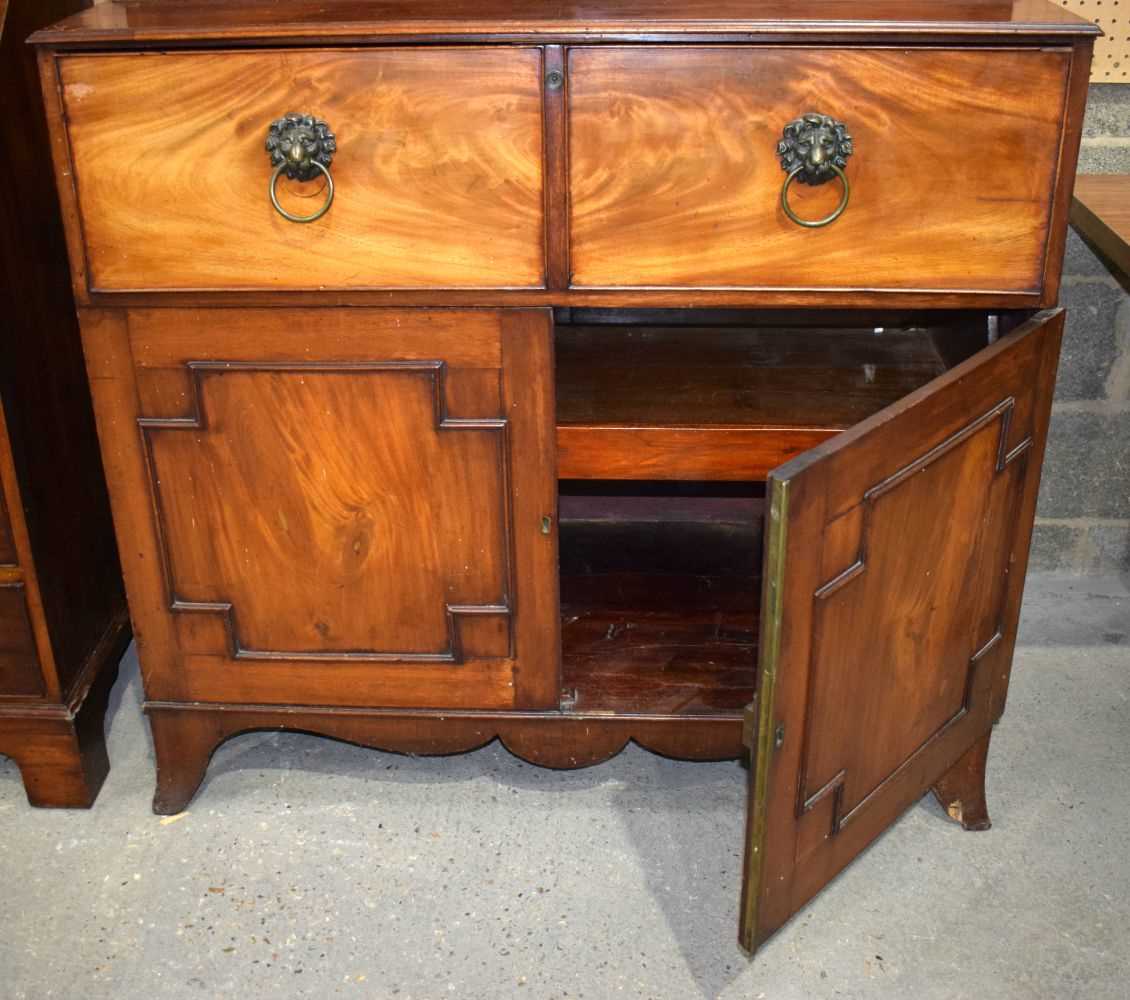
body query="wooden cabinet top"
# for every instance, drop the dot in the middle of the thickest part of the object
(348, 21)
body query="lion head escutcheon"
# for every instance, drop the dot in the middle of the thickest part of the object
(814, 148)
(302, 147)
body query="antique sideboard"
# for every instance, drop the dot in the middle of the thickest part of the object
(63, 621)
(567, 374)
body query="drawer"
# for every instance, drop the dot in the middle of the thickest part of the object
(437, 172)
(676, 180)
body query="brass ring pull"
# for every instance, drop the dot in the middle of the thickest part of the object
(814, 223)
(301, 146)
(325, 206)
(813, 149)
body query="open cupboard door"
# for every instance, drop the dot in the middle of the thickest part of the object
(894, 567)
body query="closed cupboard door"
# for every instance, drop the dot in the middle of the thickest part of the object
(895, 563)
(344, 507)
(676, 170)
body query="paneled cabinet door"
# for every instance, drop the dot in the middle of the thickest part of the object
(341, 506)
(895, 563)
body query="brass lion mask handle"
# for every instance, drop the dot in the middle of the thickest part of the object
(813, 149)
(302, 147)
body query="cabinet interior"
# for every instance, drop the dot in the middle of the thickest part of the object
(669, 423)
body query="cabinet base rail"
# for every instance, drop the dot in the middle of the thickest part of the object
(185, 735)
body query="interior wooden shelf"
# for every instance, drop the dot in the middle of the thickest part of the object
(659, 604)
(655, 402)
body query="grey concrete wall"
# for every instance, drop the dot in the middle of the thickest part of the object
(1083, 519)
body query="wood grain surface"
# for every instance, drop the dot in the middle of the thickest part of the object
(8, 554)
(331, 481)
(319, 20)
(961, 790)
(1101, 212)
(185, 736)
(438, 171)
(675, 179)
(659, 607)
(720, 454)
(20, 673)
(62, 607)
(655, 402)
(335, 507)
(902, 545)
(61, 750)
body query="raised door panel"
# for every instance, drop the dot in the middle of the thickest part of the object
(438, 169)
(895, 565)
(307, 488)
(675, 178)
(346, 506)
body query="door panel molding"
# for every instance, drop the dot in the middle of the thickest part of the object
(455, 613)
(835, 786)
(894, 570)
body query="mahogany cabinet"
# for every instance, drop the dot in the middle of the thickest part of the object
(577, 375)
(63, 622)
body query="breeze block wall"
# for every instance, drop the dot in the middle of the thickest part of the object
(1083, 518)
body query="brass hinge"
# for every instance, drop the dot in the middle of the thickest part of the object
(749, 729)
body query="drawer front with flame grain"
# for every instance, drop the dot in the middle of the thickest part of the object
(941, 164)
(436, 167)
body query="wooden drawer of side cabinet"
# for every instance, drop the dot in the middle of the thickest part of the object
(676, 180)
(437, 170)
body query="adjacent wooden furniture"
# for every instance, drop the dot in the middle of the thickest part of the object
(63, 623)
(1101, 212)
(675, 373)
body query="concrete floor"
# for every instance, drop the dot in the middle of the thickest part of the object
(306, 868)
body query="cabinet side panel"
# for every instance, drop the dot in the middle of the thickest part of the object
(1078, 80)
